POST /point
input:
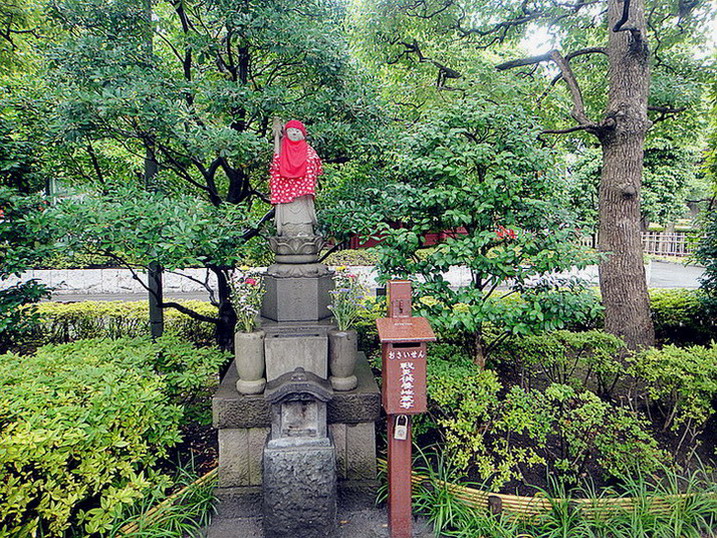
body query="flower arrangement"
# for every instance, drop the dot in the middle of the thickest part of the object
(347, 298)
(247, 290)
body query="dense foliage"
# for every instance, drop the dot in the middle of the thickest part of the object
(706, 253)
(505, 433)
(23, 240)
(84, 425)
(474, 172)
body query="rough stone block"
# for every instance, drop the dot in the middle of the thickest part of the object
(233, 457)
(257, 440)
(286, 352)
(362, 404)
(299, 488)
(297, 298)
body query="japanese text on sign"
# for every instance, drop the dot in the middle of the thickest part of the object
(407, 380)
(409, 354)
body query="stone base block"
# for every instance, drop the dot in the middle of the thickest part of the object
(299, 488)
(285, 352)
(355, 450)
(297, 298)
(240, 456)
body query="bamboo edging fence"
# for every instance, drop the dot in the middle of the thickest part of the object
(530, 507)
(154, 513)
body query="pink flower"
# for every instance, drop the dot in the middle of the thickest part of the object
(351, 276)
(251, 281)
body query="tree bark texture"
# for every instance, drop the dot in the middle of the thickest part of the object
(622, 272)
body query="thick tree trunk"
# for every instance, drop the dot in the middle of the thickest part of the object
(622, 272)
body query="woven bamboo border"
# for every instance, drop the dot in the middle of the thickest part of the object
(530, 507)
(154, 512)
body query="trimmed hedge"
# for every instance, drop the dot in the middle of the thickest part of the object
(682, 317)
(67, 322)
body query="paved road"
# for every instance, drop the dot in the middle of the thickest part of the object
(662, 275)
(674, 275)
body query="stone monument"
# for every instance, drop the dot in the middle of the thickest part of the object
(300, 439)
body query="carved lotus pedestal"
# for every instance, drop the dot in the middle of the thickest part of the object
(343, 352)
(250, 365)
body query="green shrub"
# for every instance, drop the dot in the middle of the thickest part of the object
(365, 325)
(583, 360)
(79, 435)
(189, 374)
(593, 432)
(681, 317)
(678, 384)
(67, 322)
(352, 257)
(499, 433)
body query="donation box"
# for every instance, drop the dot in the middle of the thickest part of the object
(403, 341)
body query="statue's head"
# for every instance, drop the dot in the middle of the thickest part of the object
(295, 130)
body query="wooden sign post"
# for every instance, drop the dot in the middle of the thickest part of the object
(403, 342)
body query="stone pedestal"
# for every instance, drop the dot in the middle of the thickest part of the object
(244, 422)
(299, 488)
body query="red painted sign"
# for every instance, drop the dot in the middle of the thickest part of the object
(404, 378)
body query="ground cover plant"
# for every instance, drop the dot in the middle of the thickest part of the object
(86, 428)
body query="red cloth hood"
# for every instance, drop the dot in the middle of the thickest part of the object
(293, 154)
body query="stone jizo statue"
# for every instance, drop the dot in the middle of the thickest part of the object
(294, 174)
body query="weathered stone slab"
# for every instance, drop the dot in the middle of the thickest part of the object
(361, 451)
(234, 410)
(363, 404)
(299, 488)
(240, 456)
(297, 298)
(286, 352)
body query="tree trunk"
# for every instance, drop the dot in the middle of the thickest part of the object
(227, 319)
(622, 272)
(478, 351)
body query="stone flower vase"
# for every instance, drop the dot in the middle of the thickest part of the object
(249, 355)
(343, 351)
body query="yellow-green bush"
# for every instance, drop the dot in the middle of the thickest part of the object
(67, 322)
(82, 426)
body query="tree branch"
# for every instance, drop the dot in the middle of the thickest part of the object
(578, 112)
(591, 127)
(566, 73)
(189, 312)
(253, 232)
(204, 284)
(183, 309)
(666, 112)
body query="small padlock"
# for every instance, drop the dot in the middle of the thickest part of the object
(400, 431)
